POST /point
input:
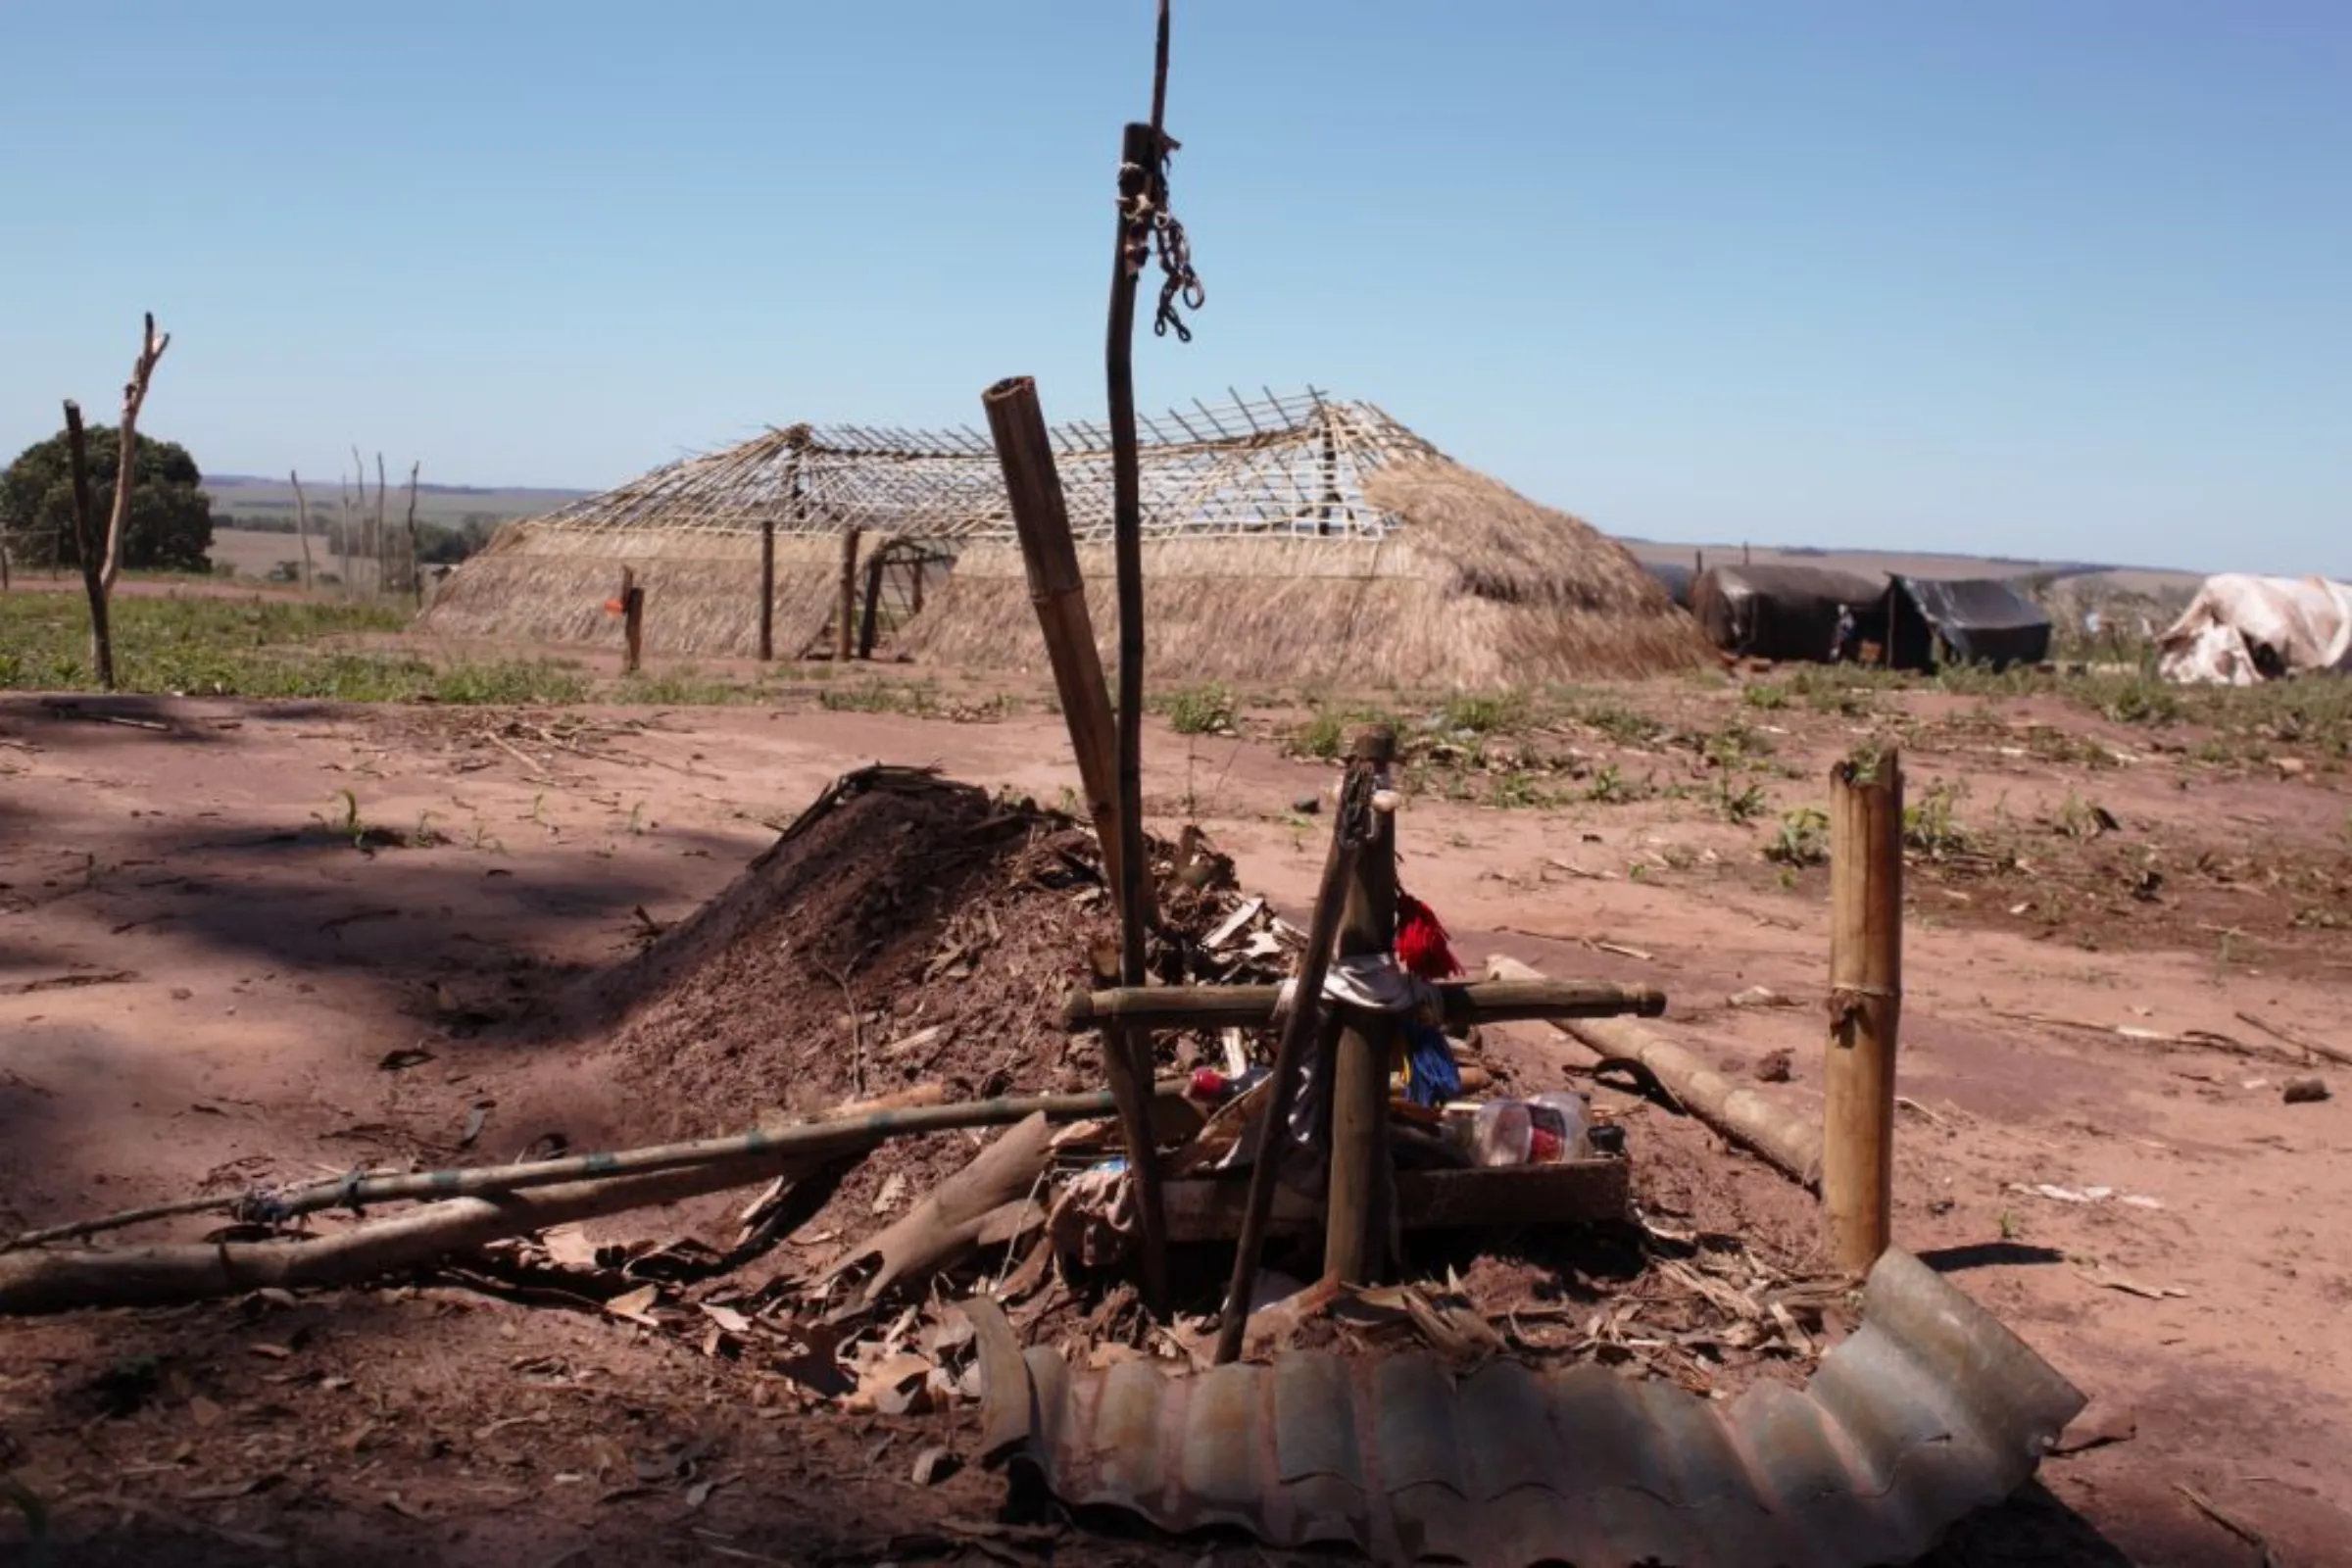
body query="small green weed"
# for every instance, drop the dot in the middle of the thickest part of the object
(1932, 824)
(1486, 714)
(1736, 803)
(1203, 709)
(1767, 696)
(1803, 839)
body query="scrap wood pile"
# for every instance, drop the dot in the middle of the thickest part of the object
(892, 977)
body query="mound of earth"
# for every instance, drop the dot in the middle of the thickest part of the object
(907, 928)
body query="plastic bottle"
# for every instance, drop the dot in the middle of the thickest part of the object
(1543, 1131)
(1563, 1126)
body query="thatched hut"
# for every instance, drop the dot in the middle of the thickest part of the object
(1294, 539)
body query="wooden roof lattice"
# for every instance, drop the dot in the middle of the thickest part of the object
(1292, 465)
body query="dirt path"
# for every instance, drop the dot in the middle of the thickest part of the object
(220, 919)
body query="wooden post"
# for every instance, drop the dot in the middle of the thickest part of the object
(845, 612)
(415, 566)
(869, 614)
(767, 590)
(1866, 985)
(302, 525)
(91, 550)
(127, 442)
(1057, 592)
(632, 621)
(1356, 1237)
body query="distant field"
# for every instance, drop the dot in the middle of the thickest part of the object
(243, 495)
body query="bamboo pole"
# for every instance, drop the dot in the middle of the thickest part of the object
(1866, 985)
(1057, 592)
(1465, 1004)
(767, 589)
(1742, 1113)
(86, 545)
(1298, 1030)
(846, 1129)
(844, 610)
(1356, 1230)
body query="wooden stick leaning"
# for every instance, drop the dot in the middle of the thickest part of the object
(1348, 825)
(1057, 592)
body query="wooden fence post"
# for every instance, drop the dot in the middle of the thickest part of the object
(767, 590)
(1356, 1235)
(1866, 987)
(632, 620)
(844, 614)
(92, 550)
(869, 625)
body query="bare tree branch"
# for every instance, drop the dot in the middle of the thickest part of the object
(134, 396)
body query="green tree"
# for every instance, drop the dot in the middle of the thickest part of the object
(170, 523)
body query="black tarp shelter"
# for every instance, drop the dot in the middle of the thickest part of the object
(1674, 578)
(1783, 611)
(1925, 622)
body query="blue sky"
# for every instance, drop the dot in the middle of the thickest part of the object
(2049, 277)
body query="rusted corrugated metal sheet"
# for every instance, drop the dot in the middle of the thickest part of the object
(1929, 1410)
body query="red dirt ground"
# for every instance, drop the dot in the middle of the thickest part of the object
(268, 964)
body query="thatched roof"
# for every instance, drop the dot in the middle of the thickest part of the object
(1470, 586)
(1298, 537)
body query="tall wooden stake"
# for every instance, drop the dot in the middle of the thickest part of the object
(767, 589)
(1866, 987)
(845, 612)
(91, 550)
(1356, 1237)
(1298, 1032)
(869, 614)
(416, 565)
(632, 621)
(1057, 592)
(381, 546)
(302, 525)
(134, 398)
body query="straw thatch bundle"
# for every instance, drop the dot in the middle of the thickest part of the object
(1474, 587)
(702, 589)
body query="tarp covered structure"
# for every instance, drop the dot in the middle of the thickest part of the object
(2242, 629)
(1932, 621)
(1781, 611)
(1674, 578)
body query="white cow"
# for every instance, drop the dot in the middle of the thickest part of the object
(2242, 629)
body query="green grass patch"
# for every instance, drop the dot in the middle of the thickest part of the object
(1207, 709)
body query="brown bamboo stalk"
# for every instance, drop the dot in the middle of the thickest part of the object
(1291, 1055)
(1032, 485)
(1354, 1237)
(87, 546)
(1866, 982)
(845, 610)
(1742, 1113)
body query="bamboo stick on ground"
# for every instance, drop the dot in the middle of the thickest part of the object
(1465, 1004)
(1749, 1118)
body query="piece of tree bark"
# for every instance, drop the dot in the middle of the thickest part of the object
(958, 1217)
